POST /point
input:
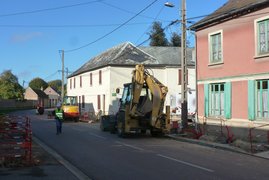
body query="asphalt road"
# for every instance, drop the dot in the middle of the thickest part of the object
(101, 155)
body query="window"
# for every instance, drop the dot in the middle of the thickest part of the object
(100, 77)
(258, 99)
(216, 106)
(70, 83)
(215, 47)
(262, 37)
(262, 99)
(218, 99)
(74, 82)
(90, 79)
(80, 81)
(98, 102)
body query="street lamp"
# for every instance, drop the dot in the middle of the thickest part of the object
(184, 102)
(168, 4)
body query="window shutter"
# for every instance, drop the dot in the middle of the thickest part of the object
(227, 100)
(206, 100)
(251, 99)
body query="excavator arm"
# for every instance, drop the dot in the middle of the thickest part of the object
(158, 91)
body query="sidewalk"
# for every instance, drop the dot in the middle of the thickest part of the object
(228, 147)
(49, 165)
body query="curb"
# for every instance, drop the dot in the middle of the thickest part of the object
(74, 170)
(214, 145)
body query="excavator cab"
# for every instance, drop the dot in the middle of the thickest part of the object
(126, 95)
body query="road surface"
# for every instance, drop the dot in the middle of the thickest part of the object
(101, 155)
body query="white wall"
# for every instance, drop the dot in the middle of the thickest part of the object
(174, 90)
(91, 91)
(115, 77)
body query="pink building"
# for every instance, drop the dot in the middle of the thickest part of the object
(232, 46)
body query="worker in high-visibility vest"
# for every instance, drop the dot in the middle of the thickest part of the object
(59, 117)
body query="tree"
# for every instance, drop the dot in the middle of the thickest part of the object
(56, 85)
(38, 83)
(175, 40)
(9, 86)
(157, 35)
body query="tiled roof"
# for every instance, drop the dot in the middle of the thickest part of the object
(233, 8)
(40, 93)
(128, 54)
(125, 53)
(167, 55)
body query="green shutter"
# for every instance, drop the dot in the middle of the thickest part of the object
(206, 101)
(227, 100)
(251, 99)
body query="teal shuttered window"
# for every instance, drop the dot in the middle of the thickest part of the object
(263, 36)
(218, 99)
(258, 99)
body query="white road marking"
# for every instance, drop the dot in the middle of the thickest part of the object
(186, 163)
(130, 146)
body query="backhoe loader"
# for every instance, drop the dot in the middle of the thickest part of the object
(141, 106)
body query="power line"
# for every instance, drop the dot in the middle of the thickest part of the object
(102, 37)
(70, 25)
(53, 74)
(151, 23)
(124, 10)
(49, 9)
(107, 34)
(165, 28)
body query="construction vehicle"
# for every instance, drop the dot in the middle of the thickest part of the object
(71, 108)
(141, 106)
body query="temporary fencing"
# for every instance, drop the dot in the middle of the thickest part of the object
(15, 140)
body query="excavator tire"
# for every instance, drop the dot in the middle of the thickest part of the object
(121, 124)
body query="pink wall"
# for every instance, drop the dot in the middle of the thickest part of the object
(240, 99)
(238, 60)
(200, 101)
(238, 50)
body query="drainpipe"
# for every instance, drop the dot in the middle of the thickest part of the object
(196, 82)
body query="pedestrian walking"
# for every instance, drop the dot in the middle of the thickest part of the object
(59, 117)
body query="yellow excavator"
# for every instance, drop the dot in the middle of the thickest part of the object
(141, 106)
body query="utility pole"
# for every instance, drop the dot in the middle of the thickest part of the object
(62, 93)
(184, 81)
(66, 70)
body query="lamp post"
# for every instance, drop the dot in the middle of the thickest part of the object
(184, 81)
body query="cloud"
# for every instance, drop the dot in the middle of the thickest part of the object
(19, 38)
